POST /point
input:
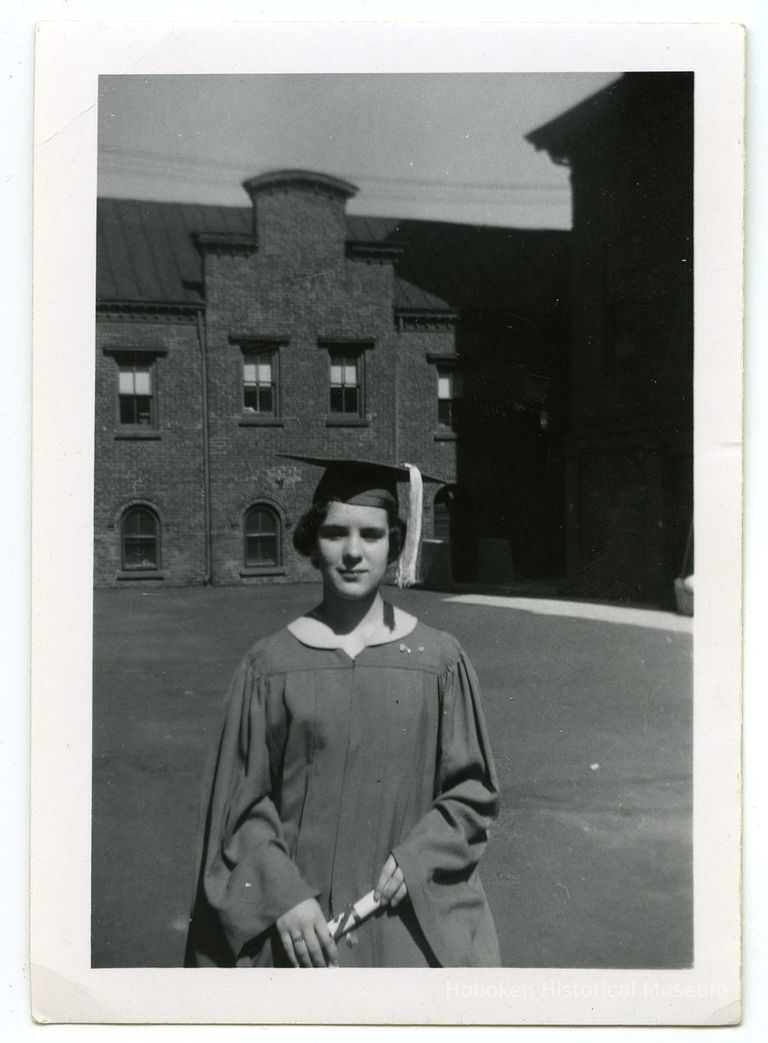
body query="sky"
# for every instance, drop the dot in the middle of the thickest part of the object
(434, 146)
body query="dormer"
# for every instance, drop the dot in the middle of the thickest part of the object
(299, 219)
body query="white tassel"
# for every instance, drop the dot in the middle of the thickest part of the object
(406, 568)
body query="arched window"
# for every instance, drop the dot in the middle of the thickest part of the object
(140, 533)
(441, 525)
(263, 545)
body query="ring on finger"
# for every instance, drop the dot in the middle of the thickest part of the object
(296, 938)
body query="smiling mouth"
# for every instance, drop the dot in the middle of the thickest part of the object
(352, 572)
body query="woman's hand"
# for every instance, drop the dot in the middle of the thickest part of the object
(390, 888)
(305, 936)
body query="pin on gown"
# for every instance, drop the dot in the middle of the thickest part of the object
(326, 764)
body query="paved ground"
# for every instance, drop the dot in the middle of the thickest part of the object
(590, 862)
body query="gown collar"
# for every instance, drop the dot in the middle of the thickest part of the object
(314, 634)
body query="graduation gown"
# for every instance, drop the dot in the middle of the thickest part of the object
(325, 764)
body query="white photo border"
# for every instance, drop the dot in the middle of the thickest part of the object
(70, 57)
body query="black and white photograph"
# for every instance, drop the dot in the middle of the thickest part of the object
(393, 584)
(539, 377)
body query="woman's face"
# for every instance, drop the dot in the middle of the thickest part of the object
(353, 549)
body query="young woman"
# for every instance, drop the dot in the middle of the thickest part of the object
(353, 756)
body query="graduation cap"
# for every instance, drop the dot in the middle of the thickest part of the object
(370, 483)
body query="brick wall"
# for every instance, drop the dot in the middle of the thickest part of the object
(301, 228)
(275, 292)
(420, 438)
(161, 466)
(629, 448)
(293, 288)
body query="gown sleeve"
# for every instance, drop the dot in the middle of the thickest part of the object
(439, 856)
(245, 876)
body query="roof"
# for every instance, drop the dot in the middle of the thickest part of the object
(478, 268)
(626, 106)
(146, 254)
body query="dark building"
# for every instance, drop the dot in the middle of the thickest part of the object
(629, 443)
(228, 335)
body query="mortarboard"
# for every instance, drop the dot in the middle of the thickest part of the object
(370, 483)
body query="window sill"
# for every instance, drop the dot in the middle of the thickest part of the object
(445, 434)
(140, 574)
(260, 421)
(262, 570)
(139, 435)
(340, 420)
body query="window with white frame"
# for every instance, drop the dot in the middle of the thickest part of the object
(140, 539)
(346, 385)
(137, 405)
(450, 391)
(260, 381)
(263, 545)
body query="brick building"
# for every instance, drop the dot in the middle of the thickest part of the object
(228, 335)
(629, 446)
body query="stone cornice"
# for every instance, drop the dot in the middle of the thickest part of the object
(362, 251)
(331, 340)
(282, 180)
(241, 335)
(150, 352)
(406, 319)
(226, 242)
(148, 311)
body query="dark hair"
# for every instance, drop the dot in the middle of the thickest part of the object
(308, 527)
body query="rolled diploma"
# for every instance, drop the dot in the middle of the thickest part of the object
(353, 915)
